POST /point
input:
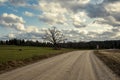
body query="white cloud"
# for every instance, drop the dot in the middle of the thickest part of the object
(2, 1)
(83, 1)
(31, 33)
(52, 18)
(32, 29)
(52, 7)
(79, 19)
(12, 18)
(28, 14)
(113, 7)
(17, 23)
(114, 10)
(11, 35)
(87, 35)
(53, 13)
(57, 12)
(12, 21)
(98, 28)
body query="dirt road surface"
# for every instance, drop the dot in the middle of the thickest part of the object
(76, 65)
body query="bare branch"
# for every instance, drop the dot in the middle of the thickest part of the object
(54, 36)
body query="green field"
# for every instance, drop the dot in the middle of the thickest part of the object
(11, 53)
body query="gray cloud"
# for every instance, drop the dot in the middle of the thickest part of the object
(95, 11)
(18, 2)
(110, 20)
(12, 21)
(110, 1)
(80, 25)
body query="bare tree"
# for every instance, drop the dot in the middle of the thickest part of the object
(54, 36)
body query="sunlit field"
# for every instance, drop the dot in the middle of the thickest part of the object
(8, 53)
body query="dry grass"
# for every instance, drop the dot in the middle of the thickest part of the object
(111, 58)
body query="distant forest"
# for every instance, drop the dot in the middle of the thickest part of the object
(111, 44)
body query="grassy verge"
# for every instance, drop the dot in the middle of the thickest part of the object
(12, 57)
(111, 59)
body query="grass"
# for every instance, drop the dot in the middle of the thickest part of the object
(111, 59)
(15, 56)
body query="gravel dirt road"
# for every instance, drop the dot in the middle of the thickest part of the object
(76, 65)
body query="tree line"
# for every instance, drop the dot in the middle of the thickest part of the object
(111, 44)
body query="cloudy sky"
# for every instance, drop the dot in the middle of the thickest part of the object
(80, 20)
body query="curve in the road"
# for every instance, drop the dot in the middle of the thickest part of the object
(76, 65)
